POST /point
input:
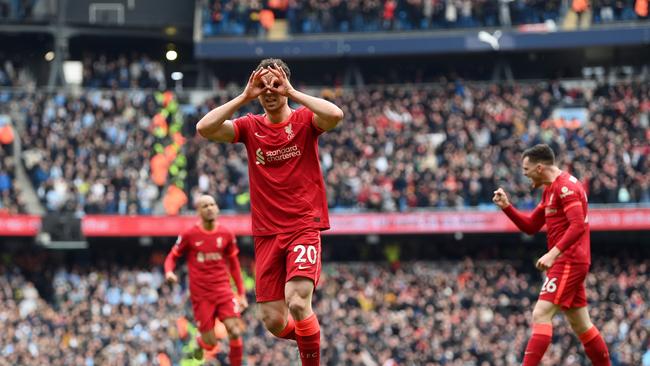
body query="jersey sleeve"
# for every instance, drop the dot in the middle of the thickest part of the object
(178, 250)
(232, 250)
(241, 126)
(309, 117)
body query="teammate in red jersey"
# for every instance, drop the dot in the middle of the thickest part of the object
(211, 252)
(288, 203)
(564, 211)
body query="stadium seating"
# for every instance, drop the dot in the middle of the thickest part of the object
(400, 148)
(240, 18)
(425, 313)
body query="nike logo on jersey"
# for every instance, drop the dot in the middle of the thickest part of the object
(260, 136)
(199, 243)
(303, 267)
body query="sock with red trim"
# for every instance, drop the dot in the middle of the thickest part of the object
(289, 331)
(538, 343)
(308, 338)
(595, 347)
(236, 352)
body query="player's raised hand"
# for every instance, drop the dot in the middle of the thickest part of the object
(171, 278)
(280, 82)
(501, 198)
(255, 85)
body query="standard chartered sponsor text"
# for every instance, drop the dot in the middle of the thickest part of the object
(283, 154)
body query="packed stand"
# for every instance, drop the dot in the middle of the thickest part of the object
(247, 17)
(96, 317)
(400, 148)
(424, 313)
(122, 72)
(452, 144)
(90, 153)
(10, 199)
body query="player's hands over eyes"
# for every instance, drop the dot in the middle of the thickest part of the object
(255, 85)
(501, 198)
(279, 83)
(170, 277)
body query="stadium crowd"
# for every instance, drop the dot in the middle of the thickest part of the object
(10, 201)
(243, 17)
(450, 145)
(122, 72)
(424, 313)
(90, 153)
(402, 147)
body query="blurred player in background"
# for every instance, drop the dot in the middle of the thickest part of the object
(564, 211)
(211, 252)
(288, 203)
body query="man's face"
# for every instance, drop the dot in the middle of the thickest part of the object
(533, 171)
(271, 101)
(208, 209)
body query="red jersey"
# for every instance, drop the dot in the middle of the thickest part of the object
(565, 192)
(207, 254)
(286, 183)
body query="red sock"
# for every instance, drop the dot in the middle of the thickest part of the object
(595, 347)
(204, 345)
(308, 338)
(236, 351)
(289, 331)
(538, 343)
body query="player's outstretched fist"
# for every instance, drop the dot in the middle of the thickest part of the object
(501, 198)
(170, 277)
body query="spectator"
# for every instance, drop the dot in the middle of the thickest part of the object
(423, 313)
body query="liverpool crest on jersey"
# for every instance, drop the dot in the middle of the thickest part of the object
(289, 131)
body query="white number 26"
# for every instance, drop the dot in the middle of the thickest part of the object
(549, 285)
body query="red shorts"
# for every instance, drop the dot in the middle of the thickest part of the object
(281, 257)
(205, 311)
(564, 285)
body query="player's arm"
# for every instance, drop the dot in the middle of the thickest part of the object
(178, 251)
(232, 260)
(235, 271)
(326, 114)
(215, 125)
(530, 224)
(574, 213)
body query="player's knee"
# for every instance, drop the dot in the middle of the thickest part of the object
(540, 315)
(234, 332)
(209, 338)
(272, 321)
(298, 306)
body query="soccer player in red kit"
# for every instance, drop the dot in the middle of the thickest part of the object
(288, 203)
(211, 252)
(564, 211)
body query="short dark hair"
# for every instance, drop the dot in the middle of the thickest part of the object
(270, 61)
(540, 153)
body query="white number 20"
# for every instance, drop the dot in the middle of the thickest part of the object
(312, 254)
(549, 285)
